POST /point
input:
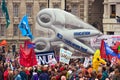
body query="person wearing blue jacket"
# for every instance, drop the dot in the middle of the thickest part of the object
(44, 74)
(104, 73)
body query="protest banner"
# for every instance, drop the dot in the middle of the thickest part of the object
(43, 58)
(65, 56)
(52, 61)
(109, 39)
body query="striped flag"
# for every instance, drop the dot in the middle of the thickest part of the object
(109, 51)
(102, 50)
(119, 49)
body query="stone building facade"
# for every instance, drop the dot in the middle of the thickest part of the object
(111, 21)
(90, 11)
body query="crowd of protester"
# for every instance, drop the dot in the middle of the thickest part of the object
(12, 70)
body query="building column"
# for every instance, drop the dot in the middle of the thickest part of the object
(37, 9)
(117, 9)
(85, 10)
(22, 8)
(63, 4)
(50, 4)
(105, 15)
(9, 33)
(106, 9)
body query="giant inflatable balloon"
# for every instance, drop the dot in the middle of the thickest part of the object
(97, 60)
(56, 20)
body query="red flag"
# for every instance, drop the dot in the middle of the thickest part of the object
(3, 43)
(115, 47)
(102, 50)
(113, 59)
(119, 49)
(27, 55)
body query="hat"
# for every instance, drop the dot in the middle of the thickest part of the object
(61, 68)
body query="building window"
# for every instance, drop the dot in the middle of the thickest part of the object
(42, 6)
(1, 13)
(55, 6)
(110, 33)
(15, 30)
(29, 10)
(2, 29)
(15, 10)
(74, 10)
(113, 11)
(68, 9)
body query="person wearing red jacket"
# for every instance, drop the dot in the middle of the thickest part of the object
(6, 73)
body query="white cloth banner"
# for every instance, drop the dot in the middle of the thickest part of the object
(65, 55)
(86, 62)
(43, 58)
(109, 39)
(52, 61)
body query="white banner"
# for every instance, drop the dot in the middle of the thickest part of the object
(43, 58)
(52, 61)
(109, 39)
(65, 56)
(86, 62)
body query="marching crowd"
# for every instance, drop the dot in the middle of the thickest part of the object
(11, 70)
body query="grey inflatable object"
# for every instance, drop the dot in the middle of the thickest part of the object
(56, 20)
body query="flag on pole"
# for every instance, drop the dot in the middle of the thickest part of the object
(24, 27)
(119, 49)
(31, 45)
(102, 50)
(27, 55)
(109, 51)
(5, 11)
(118, 56)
